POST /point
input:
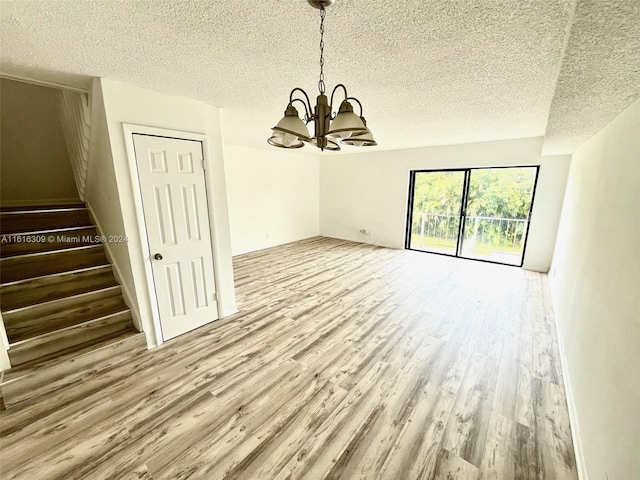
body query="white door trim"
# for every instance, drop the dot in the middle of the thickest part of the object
(129, 131)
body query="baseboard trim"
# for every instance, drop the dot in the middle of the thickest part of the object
(571, 405)
(373, 241)
(126, 294)
(228, 311)
(533, 268)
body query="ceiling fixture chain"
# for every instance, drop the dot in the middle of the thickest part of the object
(330, 128)
(323, 14)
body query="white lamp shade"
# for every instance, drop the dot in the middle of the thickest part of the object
(346, 123)
(365, 140)
(291, 125)
(361, 139)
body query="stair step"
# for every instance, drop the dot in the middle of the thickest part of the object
(63, 311)
(47, 240)
(29, 382)
(33, 265)
(53, 206)
(54, 344)
(33, 321)
(35, 219)
(53, 287)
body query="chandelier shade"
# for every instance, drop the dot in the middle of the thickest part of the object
(292, 125)
(344, 126)
(362, 139)
(346, 123)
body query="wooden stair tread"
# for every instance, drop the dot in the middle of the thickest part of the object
(22, 221)
(53, 206)
(45, 364)
(63, 311)
(47, 240)
(33, 265)
(53, 343)
(36, 320)
(29, 382)
(69, 352)
(51, 287)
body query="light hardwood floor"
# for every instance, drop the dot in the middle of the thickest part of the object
(345, 361)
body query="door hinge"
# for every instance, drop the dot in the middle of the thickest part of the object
(204, 166)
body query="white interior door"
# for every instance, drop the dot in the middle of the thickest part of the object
(174, 201)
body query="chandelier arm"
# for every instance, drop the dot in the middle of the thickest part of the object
(305, 96)
(343, 124)
(306, 110)
(346, 95)
(357, 101)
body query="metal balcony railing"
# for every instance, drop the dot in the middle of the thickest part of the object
(479, 230)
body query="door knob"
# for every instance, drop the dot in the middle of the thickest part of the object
(157, 256)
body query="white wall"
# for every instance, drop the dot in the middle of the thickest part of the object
(595, 284)
(112, 196)
(273, 196)
(5, 363)
(102, 196)
(547, 208)
(369, 190)
(35, 162)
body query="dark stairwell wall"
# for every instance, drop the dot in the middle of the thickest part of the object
(34, 162)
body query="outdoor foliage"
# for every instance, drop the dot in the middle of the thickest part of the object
(493, 194)
(504, 192)
(438, 192)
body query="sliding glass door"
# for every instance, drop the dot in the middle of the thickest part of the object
(437, 205)
(481, 214)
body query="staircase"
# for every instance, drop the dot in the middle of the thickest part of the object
(62, 308)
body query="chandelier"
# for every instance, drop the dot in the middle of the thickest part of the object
(330, 128)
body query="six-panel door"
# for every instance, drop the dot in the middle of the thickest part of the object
(174, 201)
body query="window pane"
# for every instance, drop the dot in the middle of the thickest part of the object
(497, 214)
(437, 200)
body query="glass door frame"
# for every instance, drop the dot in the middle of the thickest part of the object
(463, 210)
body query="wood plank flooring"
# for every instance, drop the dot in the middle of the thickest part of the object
(346, 361)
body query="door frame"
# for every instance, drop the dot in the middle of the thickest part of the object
(129, 131)
(463, 210)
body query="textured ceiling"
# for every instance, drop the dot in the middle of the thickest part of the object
(427, 72)
(600, 75)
